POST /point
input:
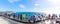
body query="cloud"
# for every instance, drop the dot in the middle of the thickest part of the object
(51, 10)
(54, 1)
(22, 6)
(35, 10)
(37, 4)
(55, 10)
(12, 1)
(54, 7)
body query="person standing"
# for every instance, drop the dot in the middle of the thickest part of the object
(49, 16)
(23, 16)
(14, 15)
(19, 17)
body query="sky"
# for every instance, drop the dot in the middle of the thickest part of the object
(47, 6)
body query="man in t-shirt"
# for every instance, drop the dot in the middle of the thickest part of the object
(23, 16)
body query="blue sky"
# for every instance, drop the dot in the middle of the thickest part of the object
(47, 6)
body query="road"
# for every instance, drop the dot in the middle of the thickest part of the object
(4, 20)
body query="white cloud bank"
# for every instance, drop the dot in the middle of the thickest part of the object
(22, 6)
(47, 10)
(12, 1)
(54, 1)
(55, 9)
(37, 4)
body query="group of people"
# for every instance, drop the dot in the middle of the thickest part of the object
(53, 16)
(32, 18)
